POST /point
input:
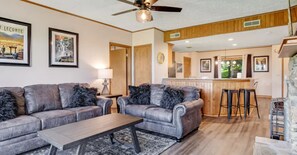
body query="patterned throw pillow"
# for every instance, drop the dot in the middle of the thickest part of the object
(140, 95)
(171, 97)
(83, 96)
(8, 106)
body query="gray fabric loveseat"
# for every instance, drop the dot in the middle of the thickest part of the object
(183, 119)
(42, 107)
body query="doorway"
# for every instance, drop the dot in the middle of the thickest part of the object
(142, 64)
(120, 59)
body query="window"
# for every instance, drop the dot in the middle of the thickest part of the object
(230, 66)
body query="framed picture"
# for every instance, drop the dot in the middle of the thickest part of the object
(179, 67)
(261, 63)
(205, 65)
(63, 48)
(15, 42)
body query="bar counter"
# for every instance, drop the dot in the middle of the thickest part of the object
(211, 90)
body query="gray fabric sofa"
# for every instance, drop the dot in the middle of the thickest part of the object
(42, 107)
(183, 119)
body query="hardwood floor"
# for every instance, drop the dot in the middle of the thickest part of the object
(217, 136)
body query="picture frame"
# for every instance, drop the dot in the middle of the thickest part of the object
(63, 48)
(261, 63)
(205, 65)
(179, 67)
(15, 43)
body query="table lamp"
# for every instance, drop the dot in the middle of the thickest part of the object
(105, 74)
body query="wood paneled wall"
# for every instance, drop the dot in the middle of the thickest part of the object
(211, 92)
(271, 19)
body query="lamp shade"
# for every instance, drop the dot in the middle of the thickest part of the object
(143, 16)
(105, 73)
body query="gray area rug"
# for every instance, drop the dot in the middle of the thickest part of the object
(150, 144)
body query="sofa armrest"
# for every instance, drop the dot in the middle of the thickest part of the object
(105, 103)
(187, 116)
(122, 103)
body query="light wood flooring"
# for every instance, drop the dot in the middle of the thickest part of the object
(217, 136)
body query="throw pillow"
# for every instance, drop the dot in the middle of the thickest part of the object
(83, 96)
(171, 97)
(157, 91)
(8, 106)
(140, 95)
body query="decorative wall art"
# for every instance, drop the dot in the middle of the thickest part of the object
(205, 65)
(261, 63)
(15, 41)
(63, 48)
(179, 67)
(161, 58)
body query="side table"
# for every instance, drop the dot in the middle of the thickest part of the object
(116, 96)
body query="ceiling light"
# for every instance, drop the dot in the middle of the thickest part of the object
(230, 39)
(143, 16)
(187, 41)
(234, 44)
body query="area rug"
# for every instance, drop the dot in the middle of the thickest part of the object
(150, 144)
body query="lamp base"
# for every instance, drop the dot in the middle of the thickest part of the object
(105, 90)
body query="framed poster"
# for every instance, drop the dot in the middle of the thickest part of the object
(63, 48)
(179, 67)
(261, 63)
(15, 41)
(205, 65)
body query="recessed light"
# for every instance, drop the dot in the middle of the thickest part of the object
(234, 44)
(187, 41)
(230, 39)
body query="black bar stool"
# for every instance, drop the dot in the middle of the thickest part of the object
(229, 106)
(247, 104)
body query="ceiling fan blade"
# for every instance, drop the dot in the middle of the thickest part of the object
(127, 11)
(165, 8)
(127, 2)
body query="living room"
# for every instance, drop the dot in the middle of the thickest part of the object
(148, 77)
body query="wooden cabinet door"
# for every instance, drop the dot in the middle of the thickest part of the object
(142, 64)
(187, 67)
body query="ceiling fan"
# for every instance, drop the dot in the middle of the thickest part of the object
(144, 9)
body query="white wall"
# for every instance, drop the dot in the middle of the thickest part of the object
(94, 41)
(264, 78)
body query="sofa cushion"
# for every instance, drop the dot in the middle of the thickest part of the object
(137, 110)
(159, 114)
(171, 97)
(54, 118)
(83, 96)
(8, 106)
(42, 98)
(19, 126)
(191, 93)
(157, 91)
(83, 113)
(140, 95)
(66, 91)
(19, 95)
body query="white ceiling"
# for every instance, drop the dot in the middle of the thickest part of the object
(194, 12)
(256, 38)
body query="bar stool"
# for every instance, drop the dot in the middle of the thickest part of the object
(247, 105)
(229, 106)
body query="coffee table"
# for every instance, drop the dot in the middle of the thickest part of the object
(79, 133)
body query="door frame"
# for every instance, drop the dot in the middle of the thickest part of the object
(128, 76)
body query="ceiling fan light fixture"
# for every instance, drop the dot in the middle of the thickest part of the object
(143, 16)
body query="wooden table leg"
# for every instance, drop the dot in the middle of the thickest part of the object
(111, 136)
(53, 150)
(135, 139)
(81, 149)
